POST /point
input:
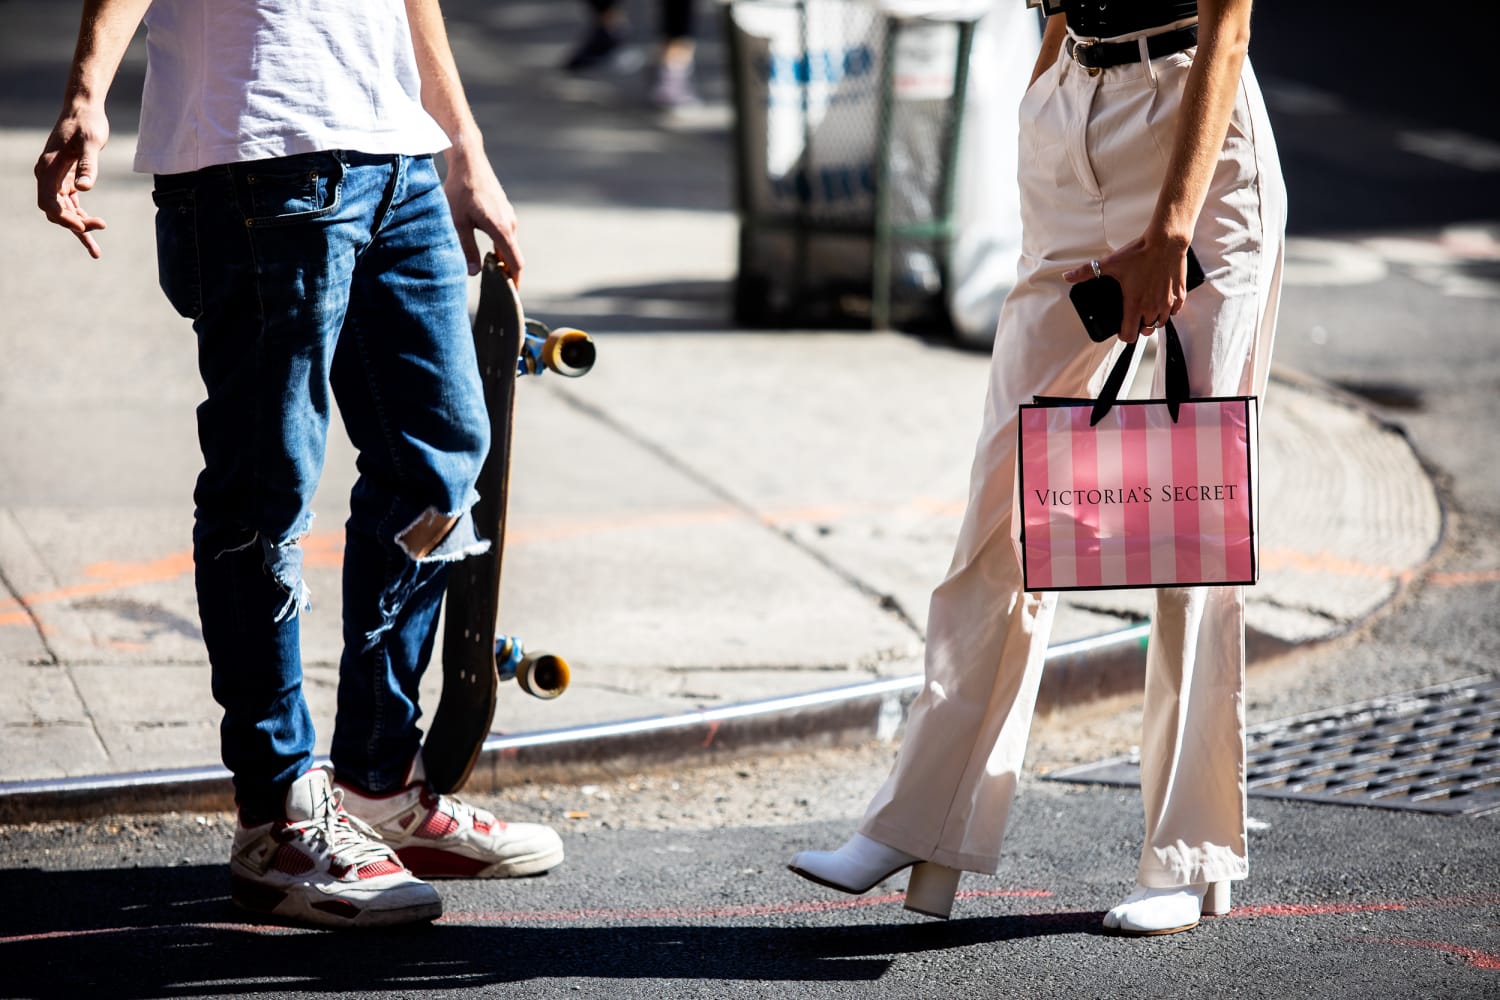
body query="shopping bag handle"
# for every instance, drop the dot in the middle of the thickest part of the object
(1177, 377)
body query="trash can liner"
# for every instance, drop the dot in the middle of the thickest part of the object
(810, 83)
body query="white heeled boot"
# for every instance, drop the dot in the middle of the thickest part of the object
(1167, 911)
(862, 863)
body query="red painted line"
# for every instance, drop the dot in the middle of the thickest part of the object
(59, 935)
(1487, 960)
(1335, 909)
(1479, 959)
(165, 928)
(556, 916)
(716, 912)
(1314, 909)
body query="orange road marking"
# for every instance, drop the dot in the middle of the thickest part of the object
(1326, 562)
(110, 576)
(325, 550)
(1465, 579)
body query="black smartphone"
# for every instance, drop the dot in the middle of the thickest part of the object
(1101, 305)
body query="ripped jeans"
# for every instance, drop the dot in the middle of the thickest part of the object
(309, 279)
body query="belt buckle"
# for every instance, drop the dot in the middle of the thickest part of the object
(1073, 48)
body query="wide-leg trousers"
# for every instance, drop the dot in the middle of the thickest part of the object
(1093, 154)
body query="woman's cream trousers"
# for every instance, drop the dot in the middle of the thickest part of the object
(1093, 153)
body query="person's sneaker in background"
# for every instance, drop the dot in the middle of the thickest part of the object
(672, 86)
(598, 48)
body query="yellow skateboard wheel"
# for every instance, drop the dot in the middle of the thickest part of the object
(568, 351)
(543, 675)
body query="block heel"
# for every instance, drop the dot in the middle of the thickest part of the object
(1216, 899)
(931, 889)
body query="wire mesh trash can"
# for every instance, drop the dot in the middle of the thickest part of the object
(847, 122)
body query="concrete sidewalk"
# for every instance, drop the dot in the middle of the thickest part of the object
(710, 520)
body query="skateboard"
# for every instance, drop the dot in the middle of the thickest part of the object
(475, 657)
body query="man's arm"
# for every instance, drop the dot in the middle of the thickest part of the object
(70, 161)
(474, 193)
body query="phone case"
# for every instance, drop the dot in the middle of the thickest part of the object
(1100, 303)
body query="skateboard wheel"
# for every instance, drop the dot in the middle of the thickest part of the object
(543, 675)
(569, 352)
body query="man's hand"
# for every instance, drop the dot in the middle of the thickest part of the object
(478, 203)
(474, 194)
(69, 164)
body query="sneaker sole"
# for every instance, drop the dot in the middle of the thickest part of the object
(269, 901)
(431, 863)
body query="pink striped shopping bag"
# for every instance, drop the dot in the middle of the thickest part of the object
(1124, 495)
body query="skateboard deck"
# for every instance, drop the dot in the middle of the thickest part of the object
(475, 658)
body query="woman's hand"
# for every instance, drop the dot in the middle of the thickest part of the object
(1153, 283)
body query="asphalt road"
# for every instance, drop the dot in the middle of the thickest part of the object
(1343, 902)
(674, 884)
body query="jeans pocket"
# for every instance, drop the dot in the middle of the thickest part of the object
(293, 189)
(178, 269)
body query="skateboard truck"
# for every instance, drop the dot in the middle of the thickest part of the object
(567, 351)
(541, 675)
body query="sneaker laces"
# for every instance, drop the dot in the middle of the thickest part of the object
(458, 809)
(345, 837)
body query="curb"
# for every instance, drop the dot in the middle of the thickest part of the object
(1077, 672)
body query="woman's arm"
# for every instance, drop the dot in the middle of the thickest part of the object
(1152, 269)
(1052, 40)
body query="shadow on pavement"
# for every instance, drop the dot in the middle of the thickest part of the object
(201, 945)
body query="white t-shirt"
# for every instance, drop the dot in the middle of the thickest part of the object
(235, 80)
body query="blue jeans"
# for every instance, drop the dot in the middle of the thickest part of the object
(309, 279)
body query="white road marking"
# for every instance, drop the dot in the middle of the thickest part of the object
(1295, 99)
(1442, 260)
(1322, 263)
(1456, 148)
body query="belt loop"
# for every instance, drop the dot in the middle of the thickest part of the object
(1145, 47)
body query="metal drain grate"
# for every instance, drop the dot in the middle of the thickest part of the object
(1436, 750)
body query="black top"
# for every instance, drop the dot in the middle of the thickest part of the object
(1107, 18)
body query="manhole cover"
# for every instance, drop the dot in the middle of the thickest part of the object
(1436, 750)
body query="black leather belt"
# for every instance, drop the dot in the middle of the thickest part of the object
(1095, 56)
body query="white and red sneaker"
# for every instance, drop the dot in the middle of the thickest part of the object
(322, 866)
(442, 836)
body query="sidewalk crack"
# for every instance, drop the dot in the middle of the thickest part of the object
(1125, 615)
(52, 657)
(1322, 614)
(887, 602)
(15, 594)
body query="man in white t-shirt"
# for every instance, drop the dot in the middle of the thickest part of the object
(302, 226)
